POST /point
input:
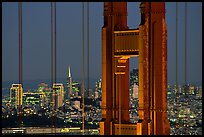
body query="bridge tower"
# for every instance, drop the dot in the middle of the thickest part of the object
(153, 106)
(119, 43)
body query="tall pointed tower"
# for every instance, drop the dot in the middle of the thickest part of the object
(69, 83)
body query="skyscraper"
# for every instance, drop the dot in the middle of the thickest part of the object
(75, 89)
(69, 84)
(134, 77)
(135, 91)
(16, 94)
(98, 88)
(59, 94)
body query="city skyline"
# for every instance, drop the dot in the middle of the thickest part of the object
(36, 40)
(191, 114)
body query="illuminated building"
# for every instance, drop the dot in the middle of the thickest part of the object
(43, 88)
(75, 88)
(199, 92)
(149, 43)
(134, 77)
(69, 84)
(191, 89)
(170, 95)
(77, 104)
(59, 94)
(16, 92)
(135, 91)
(34, 98)
(99, 88)
(96, 95)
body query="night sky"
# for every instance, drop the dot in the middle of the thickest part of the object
(37, 43)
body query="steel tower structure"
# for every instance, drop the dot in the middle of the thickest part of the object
(149, 43)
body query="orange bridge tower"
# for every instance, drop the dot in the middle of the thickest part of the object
(149, 43)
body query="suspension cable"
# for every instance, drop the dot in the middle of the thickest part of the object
(88, 50)
(176, 49)
(20, 61)
(82, 68)
(185, 43)
(88, 47)
(55, 46)
(176, 94)
(52, 93)
(51, 46)
(53, 63)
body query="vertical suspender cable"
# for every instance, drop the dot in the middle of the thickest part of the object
(52, 91)
(82, 68)
(19, 43)
(51, 48)
(19, 49)
(20, 57)
(185, 44)
(88, 47)
(19, 19)
(176, 47)
(55, 63)
(21, 54)
(55, 46)
(176, 99)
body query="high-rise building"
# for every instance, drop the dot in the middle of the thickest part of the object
(16, 93)
(134, 77)
(99, 88)
(69, 84)
(46, 93)
(34, 98)
(75, 88)
(135, 91)
(96, 95)
(59, 94)
(170, 94)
